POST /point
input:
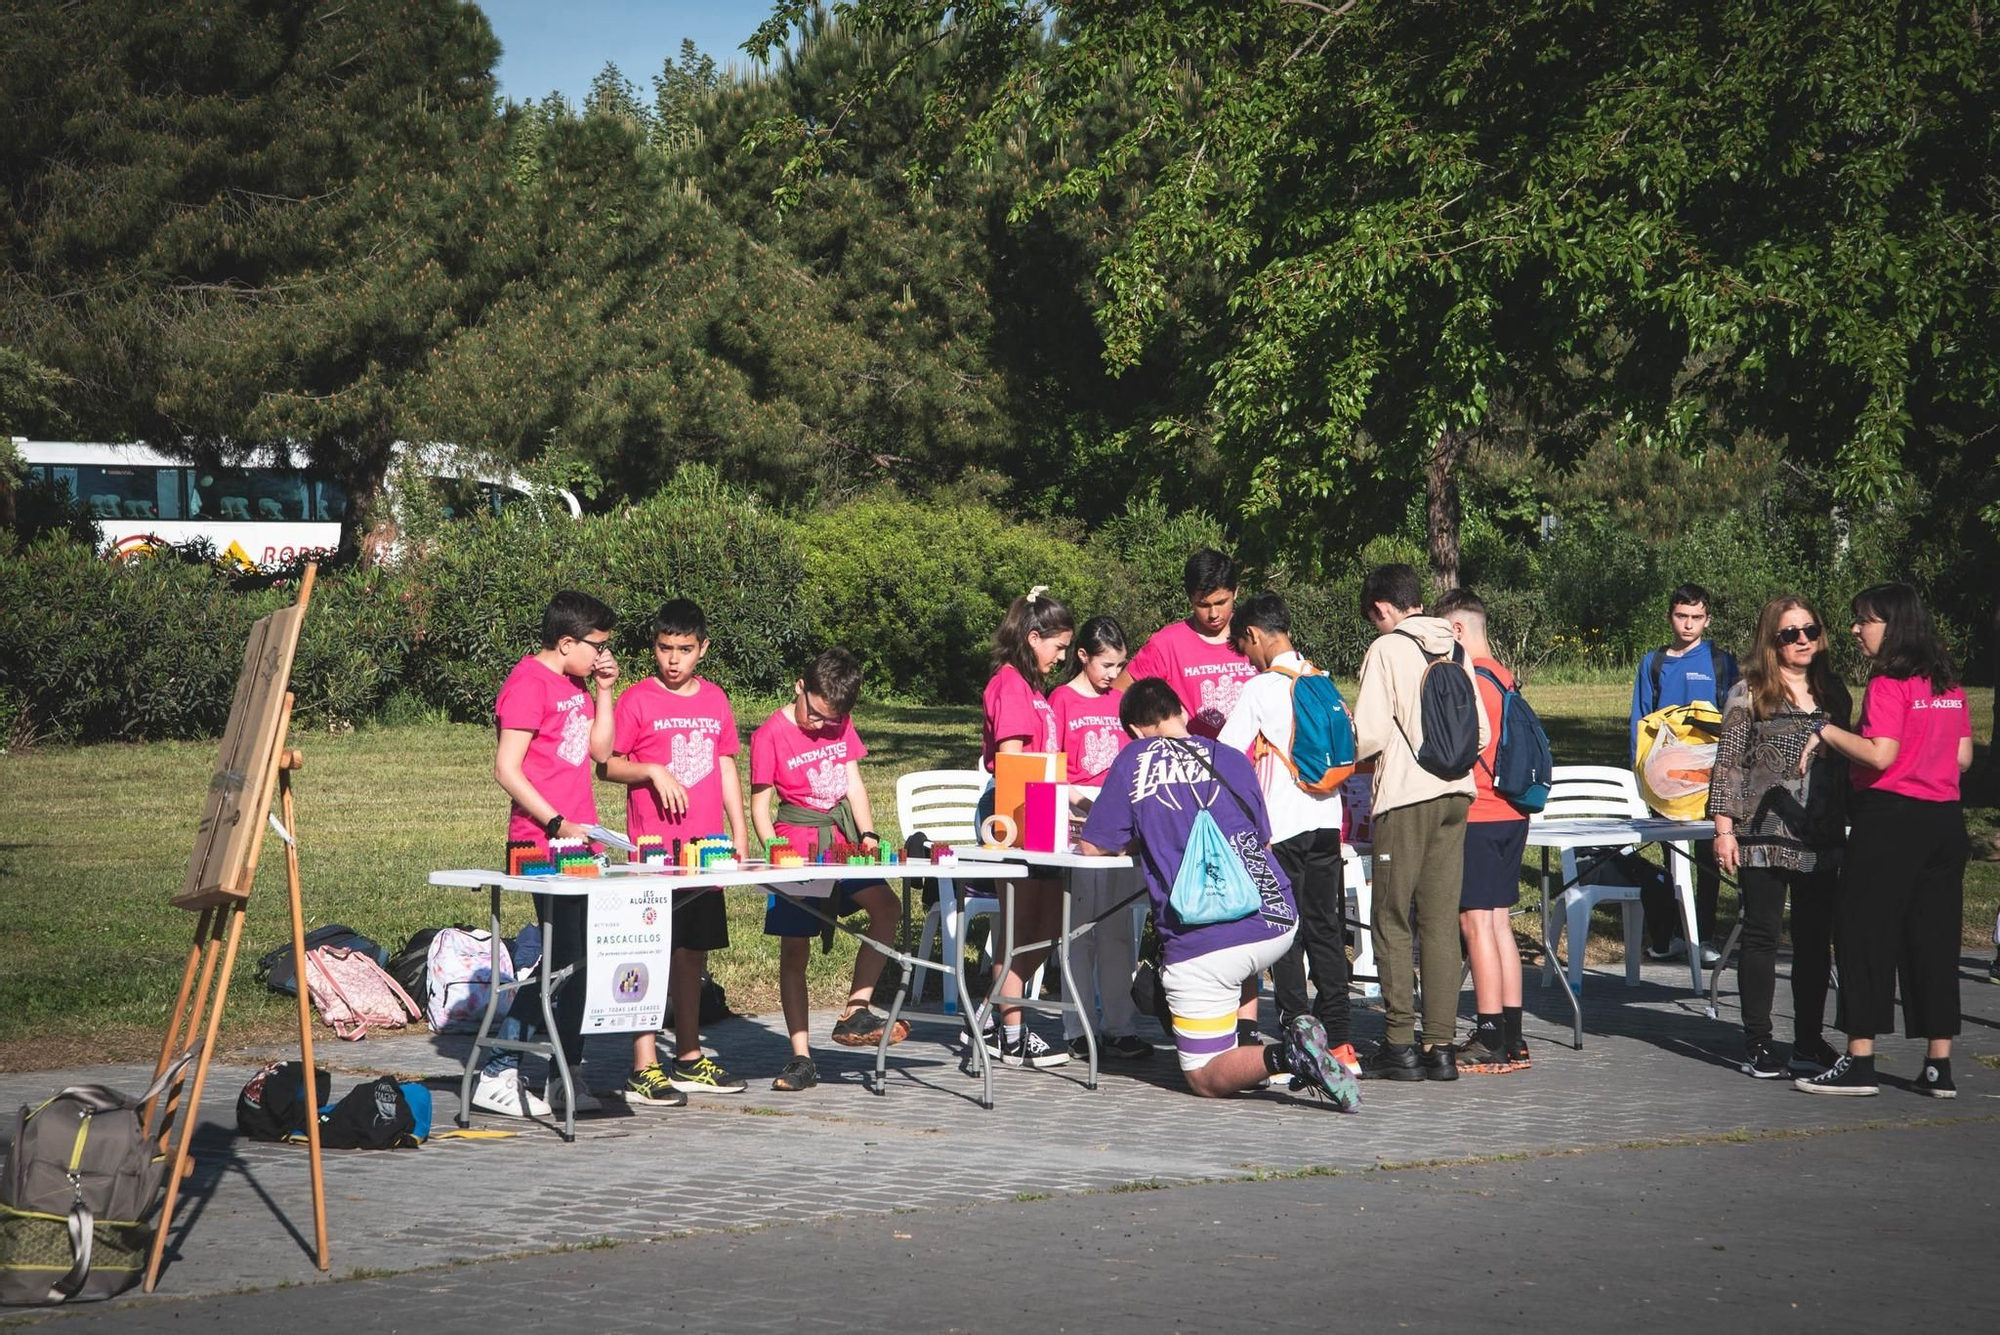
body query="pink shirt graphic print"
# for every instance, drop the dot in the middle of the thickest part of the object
(1015, 710)
(808, 769)
(693, 736)
(1088, 731)
(1207, 677)
(558, 711)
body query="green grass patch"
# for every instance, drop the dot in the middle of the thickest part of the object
(95, 840)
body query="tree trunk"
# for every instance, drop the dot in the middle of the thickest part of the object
(1442, 508)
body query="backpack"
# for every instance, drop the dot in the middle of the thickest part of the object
(460, 976)
(1523, 765)
(379, 1115)
(277, 972)
(353, 993)
(82, 1183)
(1725, 671)
(1211, 884)
(1321, 756)
(411, 966)
(272, 1106)
(1449, 708)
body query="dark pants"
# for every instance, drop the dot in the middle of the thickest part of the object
(1902, 906)
(1663, 910)
(1311, 862)
(1814, 895)
(568, 916)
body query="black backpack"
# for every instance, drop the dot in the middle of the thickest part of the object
(279, 972)
(1450, 713)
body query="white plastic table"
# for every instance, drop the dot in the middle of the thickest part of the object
(802, 885)
(1614, 836)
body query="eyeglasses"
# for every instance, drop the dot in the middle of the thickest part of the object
(1793, 634)
(826, 720)
(597, 646)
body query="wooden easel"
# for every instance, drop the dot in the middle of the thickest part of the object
(254, 765)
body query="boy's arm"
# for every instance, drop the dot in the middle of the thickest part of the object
(1642, 705)
(732, 801)
(1239, 732)
(513, 782)
(857, 798)
(762, 799)
(604, 726)
(1374, 705)
(673, 796)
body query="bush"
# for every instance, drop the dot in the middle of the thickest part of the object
(1140, 556)
(916, 592)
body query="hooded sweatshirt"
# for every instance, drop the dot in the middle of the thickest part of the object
(1392, 676)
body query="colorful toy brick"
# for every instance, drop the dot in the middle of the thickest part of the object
(650, 848)
(538, 868)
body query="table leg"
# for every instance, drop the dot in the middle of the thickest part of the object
(472, 1063)
(1715, 974)
(551, 979)
(896, 1006)
(1683, 879)
(948, 904)
(1549, 964)
(1071, 997)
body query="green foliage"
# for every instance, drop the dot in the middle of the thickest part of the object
(1147, 547)
(916, 591)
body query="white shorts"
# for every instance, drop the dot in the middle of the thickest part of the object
(1204, 992)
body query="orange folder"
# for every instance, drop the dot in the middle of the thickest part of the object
(1013, 771)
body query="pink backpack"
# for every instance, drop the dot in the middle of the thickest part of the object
(354, 993)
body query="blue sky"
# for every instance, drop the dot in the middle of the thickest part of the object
(562, 44)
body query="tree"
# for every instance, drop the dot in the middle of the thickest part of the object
(1667, 222)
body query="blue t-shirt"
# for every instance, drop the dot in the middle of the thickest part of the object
(1151, 794)
(1702, 673)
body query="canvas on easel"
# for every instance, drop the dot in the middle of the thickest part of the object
(253, 767)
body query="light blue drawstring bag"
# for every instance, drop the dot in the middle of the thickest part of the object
(1212, 884)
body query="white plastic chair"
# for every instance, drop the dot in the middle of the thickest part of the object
(1609, 793)
(939, 804)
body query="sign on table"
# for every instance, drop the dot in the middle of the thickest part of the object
(630, 951)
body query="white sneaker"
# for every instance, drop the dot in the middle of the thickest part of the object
(505, 1094)
(586, 1102)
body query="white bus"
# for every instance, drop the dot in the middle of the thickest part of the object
(258, 514)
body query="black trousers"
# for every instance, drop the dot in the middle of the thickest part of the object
(1813, 895)
(1902, 906)
(568, 915)
(1311, 862)
(1663, 910)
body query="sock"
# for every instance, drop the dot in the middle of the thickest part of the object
(1865, 1065)
(1488, 1029)
(1276, 1062)
(1013, 1032)
(1510, 1024)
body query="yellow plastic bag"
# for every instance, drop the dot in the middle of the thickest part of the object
(1676, 756)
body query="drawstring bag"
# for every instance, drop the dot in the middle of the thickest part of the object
(1212, 884)
(1676, 756)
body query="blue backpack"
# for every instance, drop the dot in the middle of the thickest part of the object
(1322, 752)
(1523, 766)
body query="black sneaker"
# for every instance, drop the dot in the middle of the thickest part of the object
(1517, 1053)
(1810, 1056)
(704, 1076)
(1123, 1048)
(1314, 1067)
(799, 1073)
(1482, 1054)
(1992, 976)
(863, 1029)
(1031, 1049)
(1439, 1062)
(1391, 1061)
(1846, 1076)
(1935, 1079)
(653, 1087)
(1760, 1062)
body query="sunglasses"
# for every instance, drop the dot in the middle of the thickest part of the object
(1793, 634)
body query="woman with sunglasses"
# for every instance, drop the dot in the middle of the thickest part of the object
(1902, 884)
(1779, 827)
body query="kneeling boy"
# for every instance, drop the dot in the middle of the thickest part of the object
(1150, 799)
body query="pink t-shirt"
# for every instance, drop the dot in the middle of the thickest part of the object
(1927, 727)
(1088, 729)
(1015, 709)
(808, 769)
(694, 736)
(558, 710)
(1207, 677)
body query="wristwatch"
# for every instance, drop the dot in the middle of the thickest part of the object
(552, 824)
(1819, 724)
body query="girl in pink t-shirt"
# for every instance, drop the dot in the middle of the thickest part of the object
(1902, 885)
(1030, 640)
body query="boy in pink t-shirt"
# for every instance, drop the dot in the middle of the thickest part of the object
(552, 718)
(805, 784)
(675, 748)
(1194, 656)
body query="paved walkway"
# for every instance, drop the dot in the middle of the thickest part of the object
(1654, 1069)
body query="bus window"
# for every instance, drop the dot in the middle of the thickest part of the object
(118, 493)
(276, 495)
(329, 500)
(219, 493)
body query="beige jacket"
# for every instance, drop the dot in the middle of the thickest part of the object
(1391, 679)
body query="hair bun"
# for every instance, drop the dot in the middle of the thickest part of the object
(1036, 592)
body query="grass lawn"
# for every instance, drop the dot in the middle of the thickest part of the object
(95, 840)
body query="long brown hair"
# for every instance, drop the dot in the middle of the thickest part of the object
(1767, 684)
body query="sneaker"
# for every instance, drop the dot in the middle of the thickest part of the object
(1845, 1076)
(650, 1086)
(1710, 956)
(703, 1076)
(1349, 1059)
(799, 1073)
(1391, 1061)
(1517, 1053)
(586, 1102)
(1123, 1047)
(504, 1093)
(863, 1029)
(990, 1036)
(1482, 1055)
(1935, 1079)
(1760, 1062)
(1810, 1056)
(1031, 1049)
(1314, 1067)
(1992, 972)
(1673, 950)
(1439, 1061)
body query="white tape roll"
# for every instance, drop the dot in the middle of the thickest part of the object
(999, 830)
